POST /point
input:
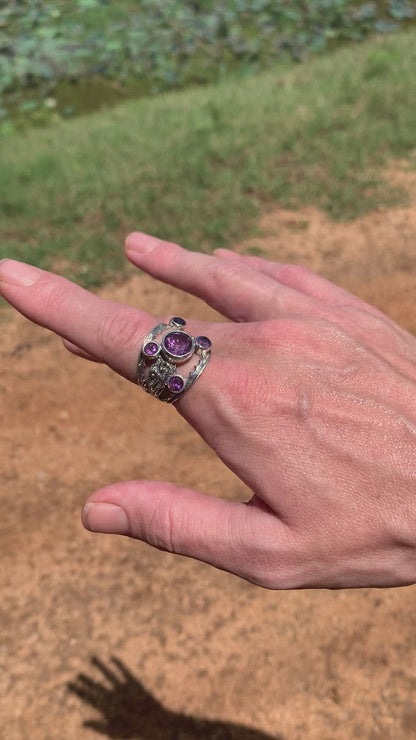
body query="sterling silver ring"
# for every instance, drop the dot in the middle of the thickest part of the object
(157, 371)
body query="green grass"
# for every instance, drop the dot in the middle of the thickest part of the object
(198, 166)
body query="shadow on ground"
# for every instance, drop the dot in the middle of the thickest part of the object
(130, 711)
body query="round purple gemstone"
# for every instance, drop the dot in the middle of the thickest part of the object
(203, 342)
(178, 321)
(150, 349)
(178, 343)
(176, 384)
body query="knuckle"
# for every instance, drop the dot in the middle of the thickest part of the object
(266, 334)
(273, 334)
(268, 572)
(164, 254)
(294, 274)
(221, 279)
(242, 392)
(53, 294)
(277, 575)
(220, 274)
(119, 330)
(276, 558)
(161, 526)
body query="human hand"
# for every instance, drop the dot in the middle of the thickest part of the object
(309, 398)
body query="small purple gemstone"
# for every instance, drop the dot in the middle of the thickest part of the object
(150, 349)
(178, 321)
(203, 342)
(176, 383)
(178, 343)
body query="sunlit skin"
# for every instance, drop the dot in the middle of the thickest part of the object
(309, 397)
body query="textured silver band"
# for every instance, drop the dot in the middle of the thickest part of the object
(163, 349)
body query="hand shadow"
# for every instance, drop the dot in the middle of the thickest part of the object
(129, 711)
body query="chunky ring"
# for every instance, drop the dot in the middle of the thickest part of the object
(157, 371)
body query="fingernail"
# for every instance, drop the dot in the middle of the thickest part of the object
(18, 273)
(105, 518)
(141, 243)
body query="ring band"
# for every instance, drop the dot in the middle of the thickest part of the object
(157, 371)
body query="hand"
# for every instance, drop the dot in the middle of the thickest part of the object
(309, 397)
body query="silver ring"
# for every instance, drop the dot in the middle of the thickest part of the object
(157, 371)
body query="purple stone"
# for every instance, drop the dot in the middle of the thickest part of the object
(178, 343)
(178, 321)
(150, 349)
(176, 383)
(203, 342)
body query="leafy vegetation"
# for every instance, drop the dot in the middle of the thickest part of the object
(198, 165)
(60, 57)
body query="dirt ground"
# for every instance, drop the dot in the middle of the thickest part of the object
(104, 635)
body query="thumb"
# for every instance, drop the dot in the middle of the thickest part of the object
(232, 536)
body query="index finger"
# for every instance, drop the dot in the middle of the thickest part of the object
(110, 331)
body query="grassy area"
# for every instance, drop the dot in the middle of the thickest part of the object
(59, 58)
(197, 166)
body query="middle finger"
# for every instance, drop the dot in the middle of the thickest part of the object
(232, 288)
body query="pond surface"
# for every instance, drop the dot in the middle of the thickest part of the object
(60, 59)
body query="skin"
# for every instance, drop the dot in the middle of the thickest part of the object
(309, 397)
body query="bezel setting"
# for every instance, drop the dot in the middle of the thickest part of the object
(176, 383)
(203, 343)
(146, 350)
(177, 321)
(181, 337)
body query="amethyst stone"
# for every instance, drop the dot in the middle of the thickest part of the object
(176, 384)
(178, 321)
(150, 349)
(203, 342)
(178, 344)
